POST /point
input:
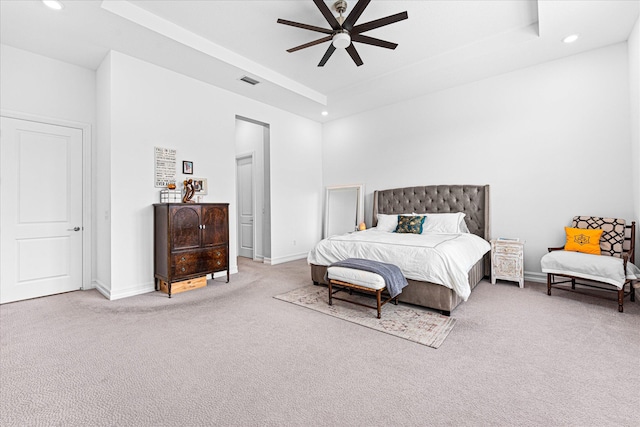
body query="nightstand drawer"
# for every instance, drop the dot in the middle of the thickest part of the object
(508, 249)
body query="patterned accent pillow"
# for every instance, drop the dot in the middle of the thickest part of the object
(583, 240)
(410, 224)
(612, 232)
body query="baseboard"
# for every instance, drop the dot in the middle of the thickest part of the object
(232, 270)
(532, 276)
(101, 287)
(133, 291)
(280, 260)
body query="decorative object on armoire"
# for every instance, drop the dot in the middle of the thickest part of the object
(188, 191)
(190, 240)
(200, 186)
(187, 167)
(170, 196)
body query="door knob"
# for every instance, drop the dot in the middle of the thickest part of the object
(73, 229)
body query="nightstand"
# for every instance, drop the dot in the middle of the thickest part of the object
(507, 260)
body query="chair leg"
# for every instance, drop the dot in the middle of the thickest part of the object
(633, 291)
(620, 299)
(548, 283)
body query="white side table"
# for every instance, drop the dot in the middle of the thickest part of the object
(507, 260)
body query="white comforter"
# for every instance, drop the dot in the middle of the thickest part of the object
(438, 258)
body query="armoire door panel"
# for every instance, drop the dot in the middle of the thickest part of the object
(186, 228)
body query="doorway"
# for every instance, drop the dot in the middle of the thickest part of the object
(41, 209)
(253, 185)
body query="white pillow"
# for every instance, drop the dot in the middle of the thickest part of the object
(445, 223)
(388, 222)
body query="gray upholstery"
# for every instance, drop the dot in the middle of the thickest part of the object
(473, 200)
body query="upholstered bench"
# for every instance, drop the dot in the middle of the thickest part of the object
(597, 249)
(350, 279)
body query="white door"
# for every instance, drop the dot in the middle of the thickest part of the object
(40, 209)
(245, 206)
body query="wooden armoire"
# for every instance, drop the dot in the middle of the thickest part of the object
(191, 240)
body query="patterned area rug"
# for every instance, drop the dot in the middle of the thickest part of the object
(405, 321)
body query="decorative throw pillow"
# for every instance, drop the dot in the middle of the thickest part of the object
(388, 222)
(410, 224)
(583, 240)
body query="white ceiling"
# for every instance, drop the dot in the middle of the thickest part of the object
(442, 44)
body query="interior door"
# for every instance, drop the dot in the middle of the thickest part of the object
(245, 206)
(40, 210)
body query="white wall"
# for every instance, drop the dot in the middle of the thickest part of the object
(634, 86)
(102, 194)
(552, 140)
(152, 106)
(46, 87)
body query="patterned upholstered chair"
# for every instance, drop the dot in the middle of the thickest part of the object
(605, 263)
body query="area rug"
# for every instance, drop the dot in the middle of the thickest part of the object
(405, 321)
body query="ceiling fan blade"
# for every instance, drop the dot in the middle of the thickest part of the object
(355, 14)
(353, 53)
(327, 55)
(326, 12)
(313, 43)
(373, 41)
(367, 26)
(305, 26)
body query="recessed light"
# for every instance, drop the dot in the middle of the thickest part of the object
(325, 113)
(53, 4)
(571, 38)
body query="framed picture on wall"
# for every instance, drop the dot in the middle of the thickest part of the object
(187, 167)
(200, 186)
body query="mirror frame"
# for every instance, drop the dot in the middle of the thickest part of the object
(359, 206)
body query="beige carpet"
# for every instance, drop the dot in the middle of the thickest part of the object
(402, 320)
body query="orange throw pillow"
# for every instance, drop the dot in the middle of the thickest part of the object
(582, 240)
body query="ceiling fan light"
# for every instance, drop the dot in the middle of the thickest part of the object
(341, 40)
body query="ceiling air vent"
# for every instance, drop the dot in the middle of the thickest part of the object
(249, 80)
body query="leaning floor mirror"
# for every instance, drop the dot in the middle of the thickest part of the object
(344, 209)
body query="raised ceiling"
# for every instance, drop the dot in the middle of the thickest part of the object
(442, 44)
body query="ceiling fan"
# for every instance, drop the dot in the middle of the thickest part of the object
(344, 31)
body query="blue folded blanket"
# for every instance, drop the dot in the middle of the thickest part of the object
(393, 277)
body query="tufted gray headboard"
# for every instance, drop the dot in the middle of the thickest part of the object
(473, 200)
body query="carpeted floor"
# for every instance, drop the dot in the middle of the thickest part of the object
(410, 322)
(232, 355)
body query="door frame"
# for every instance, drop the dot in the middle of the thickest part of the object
(240, 156)
(87, 184)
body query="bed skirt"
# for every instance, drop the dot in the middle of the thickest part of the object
(425, 294)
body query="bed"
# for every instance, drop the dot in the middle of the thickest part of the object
(438, 293)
